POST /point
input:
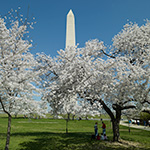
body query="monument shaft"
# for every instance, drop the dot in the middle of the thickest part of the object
(70, 29)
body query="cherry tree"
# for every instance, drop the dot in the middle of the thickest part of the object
(133, 43)
(46, 65)
(129, 75)
(17, 75)
(119, 82)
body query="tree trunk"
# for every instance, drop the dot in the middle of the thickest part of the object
(15, 116)
(55, 115)
(73, 117)
(86, 117)
(68, 116)
(8, 133)
(115, 126)
(67, 125)
(115, 123)
(115, 120)
(9, 125)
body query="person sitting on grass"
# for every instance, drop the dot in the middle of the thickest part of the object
(102, 136)
(105, 137)
(98, 137)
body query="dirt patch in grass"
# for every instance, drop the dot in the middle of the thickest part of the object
(125, 143)
(122, 144)
(108, 145)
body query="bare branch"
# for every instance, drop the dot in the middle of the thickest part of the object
(147, 111)
(4, 108)
(108, 54)
(128, 107)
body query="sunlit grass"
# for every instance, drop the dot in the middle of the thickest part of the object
(49, 134)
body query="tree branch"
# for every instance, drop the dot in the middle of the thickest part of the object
(107, 109)
(4, 108)
(147, 111)
(128, 107)
(108, 54)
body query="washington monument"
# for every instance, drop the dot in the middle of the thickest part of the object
(70, 29)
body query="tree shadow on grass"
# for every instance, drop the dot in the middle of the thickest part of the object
(52, 141)
(62, 141)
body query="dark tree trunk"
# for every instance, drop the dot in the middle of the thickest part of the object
(115, 120)
(67, 120)
(86, 117)
(15, 115)
(8, 133)
(67, 125)
(68, 116)
(115, 127)
(9, 125)
(73, 117)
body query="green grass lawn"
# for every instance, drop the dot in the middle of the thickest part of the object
(49, 134)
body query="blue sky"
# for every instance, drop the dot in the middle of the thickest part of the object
(100, 19)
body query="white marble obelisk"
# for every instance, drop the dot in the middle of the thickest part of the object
(70, 29)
